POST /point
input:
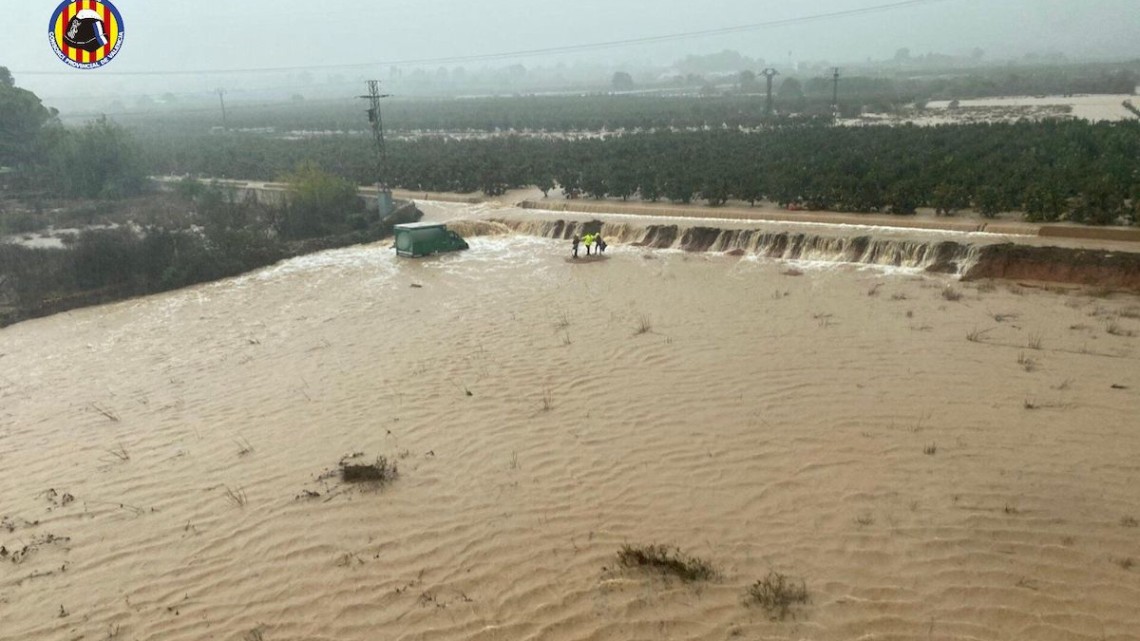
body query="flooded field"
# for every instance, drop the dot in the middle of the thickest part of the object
(933, 459)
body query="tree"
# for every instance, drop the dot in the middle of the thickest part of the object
(715, 188)
(791, 93)
(1044, 203)
(989, 201)
(98, 160)
(622, 81)
(542, 175)
(594, 179)
(318, 202)
(902, 198)
(1098, 204)
(948, 199)
(748, 82)
(22, 116)
(571, 182)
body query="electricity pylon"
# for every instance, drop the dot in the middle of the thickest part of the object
(835, 90)
(383, 191)
(769, 74)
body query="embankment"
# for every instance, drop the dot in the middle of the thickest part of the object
(1008, 261)
(1011, 228)
(971, 260)
(41, 282)
(775, 215)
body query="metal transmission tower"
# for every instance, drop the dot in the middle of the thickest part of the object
(222, 99)
(835, 90)
(383, 192)
(769, 74)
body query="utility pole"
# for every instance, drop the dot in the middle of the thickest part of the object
(769, 74)
(835, 91)
(222, 99)
(383, 192)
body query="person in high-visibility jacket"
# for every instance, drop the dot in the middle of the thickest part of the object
(588, 239)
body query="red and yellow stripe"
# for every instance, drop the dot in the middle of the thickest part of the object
(110, 24)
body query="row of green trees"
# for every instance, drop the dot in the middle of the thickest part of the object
(1050, 170)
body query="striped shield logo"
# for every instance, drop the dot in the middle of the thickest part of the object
(86, 34)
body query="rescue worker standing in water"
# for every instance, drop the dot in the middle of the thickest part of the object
(574, 243)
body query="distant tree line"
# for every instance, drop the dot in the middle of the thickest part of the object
(1068, 170)
(733, 100)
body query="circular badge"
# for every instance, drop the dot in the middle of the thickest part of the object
(86, 34)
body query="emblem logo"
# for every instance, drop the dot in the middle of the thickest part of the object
(86, 34)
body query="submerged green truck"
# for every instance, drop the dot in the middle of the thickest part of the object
(424, 239)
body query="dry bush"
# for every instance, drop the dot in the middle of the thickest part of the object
(244, 446)
(379, 472)
(644, 325)
(976, 335)
(236, 497)
(666, 560)
(120, 453)
(777, 594)
(1113, 327)
(110, 415)
(1026, 363)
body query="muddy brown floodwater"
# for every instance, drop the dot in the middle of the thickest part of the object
(934, 459)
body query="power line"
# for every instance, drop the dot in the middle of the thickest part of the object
(532, 52)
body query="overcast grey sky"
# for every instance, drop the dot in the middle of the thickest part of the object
(229, 34)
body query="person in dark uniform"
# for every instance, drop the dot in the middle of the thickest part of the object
(574, 243)
(599, 244)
